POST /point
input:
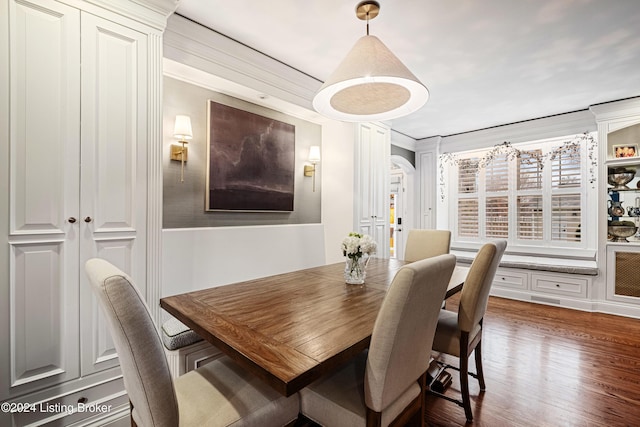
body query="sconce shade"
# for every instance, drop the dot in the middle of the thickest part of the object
(370, 84)
(314, 154)
(182, 129)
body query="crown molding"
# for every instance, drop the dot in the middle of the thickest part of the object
(150, 12)
(547, 127)
(623, 109)
(204, 49)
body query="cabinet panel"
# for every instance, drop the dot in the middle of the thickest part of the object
(510, 279)
(365, 178)
(564, 285)
(44, 138)
(622, 273)
(113, 131)
(44, 337)
(51, 411)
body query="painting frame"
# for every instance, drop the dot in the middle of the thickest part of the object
(622, 151)
(250, 161)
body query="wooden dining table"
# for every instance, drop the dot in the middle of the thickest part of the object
(292, 328)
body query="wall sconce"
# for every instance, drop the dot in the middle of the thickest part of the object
(182, 132)
(314, 158)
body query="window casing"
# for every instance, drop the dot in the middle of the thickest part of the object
(534, 195)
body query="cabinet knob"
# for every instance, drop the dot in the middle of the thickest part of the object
(88, 219)
(83, 400)
(71, 220)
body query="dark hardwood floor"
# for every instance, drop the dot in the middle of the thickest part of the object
(549, 366)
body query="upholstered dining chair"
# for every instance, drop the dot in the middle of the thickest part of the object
(460, 334)
(387, 385)
(423, 244)
(217, 394)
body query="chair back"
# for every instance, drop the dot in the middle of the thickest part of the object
(475, 292)
(142, 359)
(403, 333)
(422, 244)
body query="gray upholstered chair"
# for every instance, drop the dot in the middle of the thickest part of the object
(459, 334)
(386, 385)
(217, 394)
(422, 244)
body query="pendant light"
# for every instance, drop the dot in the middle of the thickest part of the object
(371, 83)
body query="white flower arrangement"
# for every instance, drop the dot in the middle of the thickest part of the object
(355, 245)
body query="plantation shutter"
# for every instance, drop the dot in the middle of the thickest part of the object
(531, 194)
(530, 224)
(468, 217)
(468, 176)
(529, 170)
(565, 218)
(565, 169)
(497, 200)
(468, 198)
(497, 175)
(497, 217)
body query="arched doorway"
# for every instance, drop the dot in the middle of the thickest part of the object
(401, 203)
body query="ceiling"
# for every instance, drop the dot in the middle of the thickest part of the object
(485, 62)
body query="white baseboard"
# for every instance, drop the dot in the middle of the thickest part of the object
(595, 306)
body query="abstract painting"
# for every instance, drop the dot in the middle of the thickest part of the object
(250, 161)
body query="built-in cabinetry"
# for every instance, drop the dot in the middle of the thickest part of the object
(557, 288)
(371, 193)
(77, 139)
(619, 137)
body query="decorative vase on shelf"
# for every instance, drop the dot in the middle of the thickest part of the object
(355, 270)
(615, 208)
(357, 249)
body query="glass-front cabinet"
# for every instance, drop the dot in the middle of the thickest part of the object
(623, 185)
(619, 247)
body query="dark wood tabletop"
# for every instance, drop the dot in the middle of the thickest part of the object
(291, 328)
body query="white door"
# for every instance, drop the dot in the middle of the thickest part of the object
(113, 182)
(40, 334)
(372, 184)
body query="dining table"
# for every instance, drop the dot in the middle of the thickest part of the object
(290, 329)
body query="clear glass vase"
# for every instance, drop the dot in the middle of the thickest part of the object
(355, 270)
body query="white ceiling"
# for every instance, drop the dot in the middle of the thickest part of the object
(485, 62)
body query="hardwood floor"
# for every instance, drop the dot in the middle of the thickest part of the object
(549, 366)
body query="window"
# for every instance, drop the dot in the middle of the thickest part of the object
(532, 194)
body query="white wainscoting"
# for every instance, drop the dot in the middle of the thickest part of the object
(197, 258)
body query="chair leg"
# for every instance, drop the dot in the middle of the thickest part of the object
(423, 395)
(464, 375)
(374, 419)
(479, 371)
(464, 388)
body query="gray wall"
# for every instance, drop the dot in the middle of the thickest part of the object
(184, 203)
(403, 152)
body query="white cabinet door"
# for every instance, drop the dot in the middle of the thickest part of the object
(373, 147)
(77, 115)
(40, 338)
(113, 182)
